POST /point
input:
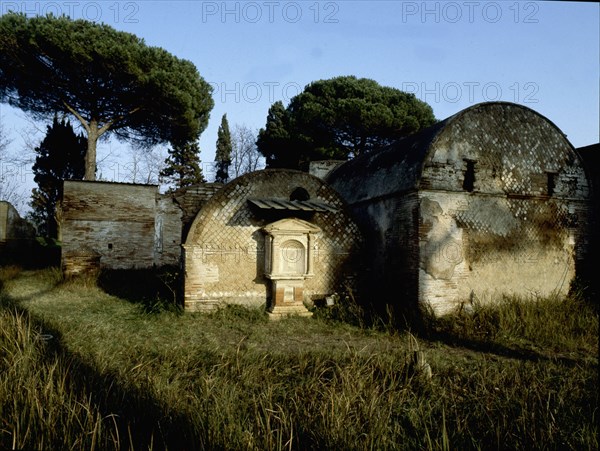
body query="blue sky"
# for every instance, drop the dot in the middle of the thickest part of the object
(544, 55)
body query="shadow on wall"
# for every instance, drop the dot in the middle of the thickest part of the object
(588, 282)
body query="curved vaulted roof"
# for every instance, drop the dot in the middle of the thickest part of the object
(512, 148)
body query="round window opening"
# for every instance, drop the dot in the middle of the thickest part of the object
(299, 194)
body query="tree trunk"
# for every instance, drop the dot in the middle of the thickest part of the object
(90, 155)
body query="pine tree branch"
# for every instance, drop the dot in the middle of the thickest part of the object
(110, 123)
(80, 118)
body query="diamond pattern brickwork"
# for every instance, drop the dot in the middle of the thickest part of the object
(226, 238)
(514, 150)
(522, 226)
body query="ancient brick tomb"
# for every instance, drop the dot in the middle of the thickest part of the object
(278, 237)
(489, 202)
(118, 226)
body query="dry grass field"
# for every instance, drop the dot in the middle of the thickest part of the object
(84, 369)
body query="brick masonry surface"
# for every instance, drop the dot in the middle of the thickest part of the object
(224, 250)
(126, 225)
(492, 201)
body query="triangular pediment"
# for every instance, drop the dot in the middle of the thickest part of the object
(291, 225)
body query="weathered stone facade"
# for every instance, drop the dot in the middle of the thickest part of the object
(238, 232)
(126, 225)
(490, 201)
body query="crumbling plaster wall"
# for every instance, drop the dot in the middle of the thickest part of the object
(224, 250)
(478, 248)
(167, 231)
(520, 227)
(517, 227)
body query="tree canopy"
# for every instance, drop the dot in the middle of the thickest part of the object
(108, 79)
(339, 118)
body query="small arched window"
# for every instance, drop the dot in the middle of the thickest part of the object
(299, 194)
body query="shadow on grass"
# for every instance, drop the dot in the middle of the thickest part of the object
(493, 347)
(142, 421)
(30, 253)
(155, 290)
(10, 272)
(480, 332)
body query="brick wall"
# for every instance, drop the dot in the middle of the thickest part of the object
(167, 231)
(191, 199)
(129, 226)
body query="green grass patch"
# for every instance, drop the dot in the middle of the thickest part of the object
(521, 374)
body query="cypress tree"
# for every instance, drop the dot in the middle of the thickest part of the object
(223, 152)
(183, 165)
(60, 156)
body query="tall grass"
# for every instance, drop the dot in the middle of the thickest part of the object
(39, 406)
(555, 325)
(139, 379)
